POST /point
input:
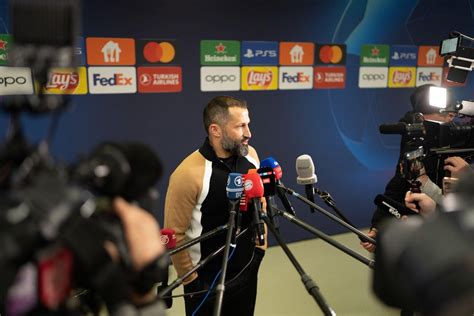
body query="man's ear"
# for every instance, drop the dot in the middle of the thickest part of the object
(215, 130)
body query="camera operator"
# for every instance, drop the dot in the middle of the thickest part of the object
(443, 284)
(398, 185)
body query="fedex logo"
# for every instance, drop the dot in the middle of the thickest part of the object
(433, 75)
(298, 77)
(112, 80)
(115, 80)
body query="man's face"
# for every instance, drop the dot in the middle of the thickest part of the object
(236, 132)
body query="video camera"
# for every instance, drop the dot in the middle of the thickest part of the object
(428, 137)
(460, 56)
(54, 219)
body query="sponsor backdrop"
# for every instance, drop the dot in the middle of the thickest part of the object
(319, 76)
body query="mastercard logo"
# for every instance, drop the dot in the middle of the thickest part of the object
(163, 52)
(331, 54)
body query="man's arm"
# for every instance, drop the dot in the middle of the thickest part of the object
(183, 191)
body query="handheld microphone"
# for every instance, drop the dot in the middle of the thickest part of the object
(168, 239)
(269, 189)
(306, 176)
(235, 194)
(253, 187)
(392, 207)
(54, 277)
(272, 163)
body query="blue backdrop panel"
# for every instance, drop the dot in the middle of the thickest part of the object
(338, 128)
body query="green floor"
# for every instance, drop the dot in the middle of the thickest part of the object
(343, 281)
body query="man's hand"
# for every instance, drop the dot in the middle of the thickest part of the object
(426, 204)
(141, 231)
(367, 245)
(456, 165)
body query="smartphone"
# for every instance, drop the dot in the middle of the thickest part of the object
(448, 184)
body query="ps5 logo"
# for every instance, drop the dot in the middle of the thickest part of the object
(255, 53)
(403, 56)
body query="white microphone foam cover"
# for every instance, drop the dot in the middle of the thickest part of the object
(305, 170)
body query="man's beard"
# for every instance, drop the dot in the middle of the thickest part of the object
(235, 147)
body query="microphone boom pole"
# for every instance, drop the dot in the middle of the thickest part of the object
(330, 215)
(326, 238)
(309, 284)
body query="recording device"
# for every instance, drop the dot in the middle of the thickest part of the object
(235, 191)
(253, 187)
(306, 176)
(459, 54)
(269, 190)
(272, 163)
(429, 267)
(392, 207)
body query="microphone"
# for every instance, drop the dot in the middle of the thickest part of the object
(168, 239)
(392, 207)
(253, 187)
(272, 163)
(54, 277)
(234, 190)
(306, 176)
(269, 189)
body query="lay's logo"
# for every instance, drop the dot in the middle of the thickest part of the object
(67, 81)
(402, 77)
(259, 78)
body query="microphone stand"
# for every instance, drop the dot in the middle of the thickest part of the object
(309, 284)
(199, 265)
(326, 238)
(220, 288)
(284, 200)
(196, 240)
(330, 215)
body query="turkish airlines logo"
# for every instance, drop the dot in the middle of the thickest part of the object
(220, 78)
(112, 80)
(373, 77)
(296, 78)
(159, 79)
(329, 77)
(15, 80)
(110, 51)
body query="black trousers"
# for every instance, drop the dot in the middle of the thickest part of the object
(239, 296)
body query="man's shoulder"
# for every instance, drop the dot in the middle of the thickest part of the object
(190, 165)
(253, 156)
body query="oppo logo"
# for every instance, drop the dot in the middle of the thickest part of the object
(7, 81)
(220, 78)
(373, 76)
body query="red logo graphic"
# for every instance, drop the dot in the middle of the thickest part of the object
(259, 78)
(163, 52)
(63, 81)
(329, 77)
(401, 77)
(159, 79)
